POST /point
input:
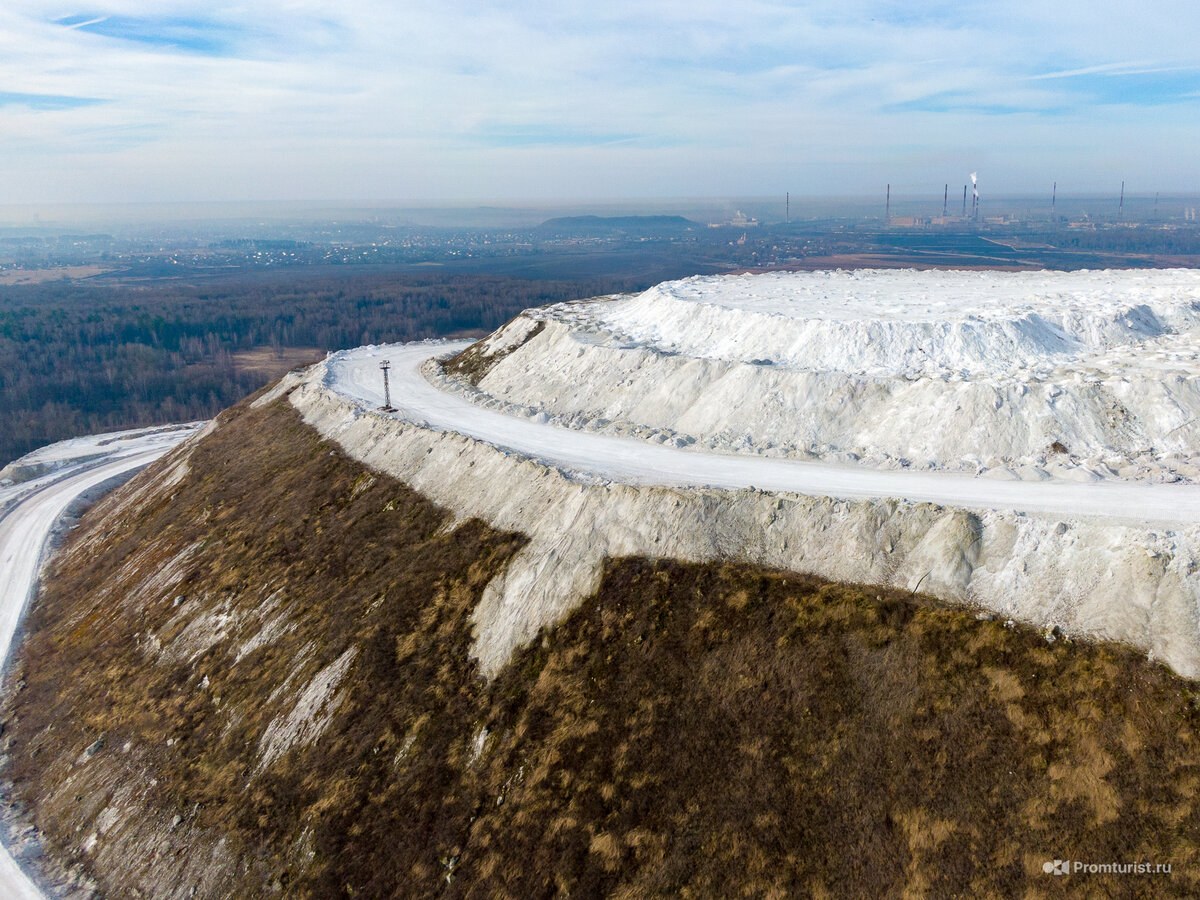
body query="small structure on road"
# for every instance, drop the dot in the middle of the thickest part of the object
(387, 394)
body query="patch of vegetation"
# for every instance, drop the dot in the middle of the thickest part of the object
(689, 731)
(722, 731)
(473, 363)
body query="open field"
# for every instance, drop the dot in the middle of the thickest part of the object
(271, 362)
(56, 273)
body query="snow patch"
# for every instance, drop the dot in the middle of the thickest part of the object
(281, 387)
(272, 628)
(202, 632)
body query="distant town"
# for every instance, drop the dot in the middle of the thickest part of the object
(1051, 232)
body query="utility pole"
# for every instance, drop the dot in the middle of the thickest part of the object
(387, 393)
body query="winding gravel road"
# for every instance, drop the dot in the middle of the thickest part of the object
(28, 513)
(355, 374)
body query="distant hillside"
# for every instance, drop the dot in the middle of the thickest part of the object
(249, 675)
(617, 224)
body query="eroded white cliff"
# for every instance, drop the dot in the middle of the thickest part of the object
(1087, 576)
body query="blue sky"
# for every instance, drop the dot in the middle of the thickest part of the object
(301, 100)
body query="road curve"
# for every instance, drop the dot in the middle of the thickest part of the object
(356, 375)
(28, 513)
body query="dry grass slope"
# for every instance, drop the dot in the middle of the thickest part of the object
(690, 731)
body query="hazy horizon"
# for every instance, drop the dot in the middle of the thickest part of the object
(516, 214)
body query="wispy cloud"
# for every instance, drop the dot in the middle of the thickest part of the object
(1113, 69)
(79, 21)
(46, 102)
(287, 98)
(546, 135)
(193, 35)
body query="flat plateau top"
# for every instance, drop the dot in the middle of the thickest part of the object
(907, 322)
(938, 295)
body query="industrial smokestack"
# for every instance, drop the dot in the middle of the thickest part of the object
(887, 210)
(945, 200)
(964, 212)
(1121, 205)
(1053, 197)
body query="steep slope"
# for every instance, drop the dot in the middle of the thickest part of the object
(202, 627)
(251, 674)
(37, 496)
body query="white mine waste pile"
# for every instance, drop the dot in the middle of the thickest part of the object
(1021, 441)
(980, 372)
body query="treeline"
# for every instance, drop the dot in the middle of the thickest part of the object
(80, 357)
(1147, 239)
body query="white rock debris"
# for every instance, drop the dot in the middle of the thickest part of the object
(313, 711)
(967, 371)
(1088, 545)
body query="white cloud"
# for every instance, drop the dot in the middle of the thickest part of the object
(305, 100)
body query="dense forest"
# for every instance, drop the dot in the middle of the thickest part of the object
(83, 357)
(162, 337)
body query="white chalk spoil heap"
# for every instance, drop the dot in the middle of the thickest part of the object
(968, 371)
(1053, 377)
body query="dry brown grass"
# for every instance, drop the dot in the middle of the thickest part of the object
(56, 273)
(272, 362)
(690, 731)
(361, 562)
